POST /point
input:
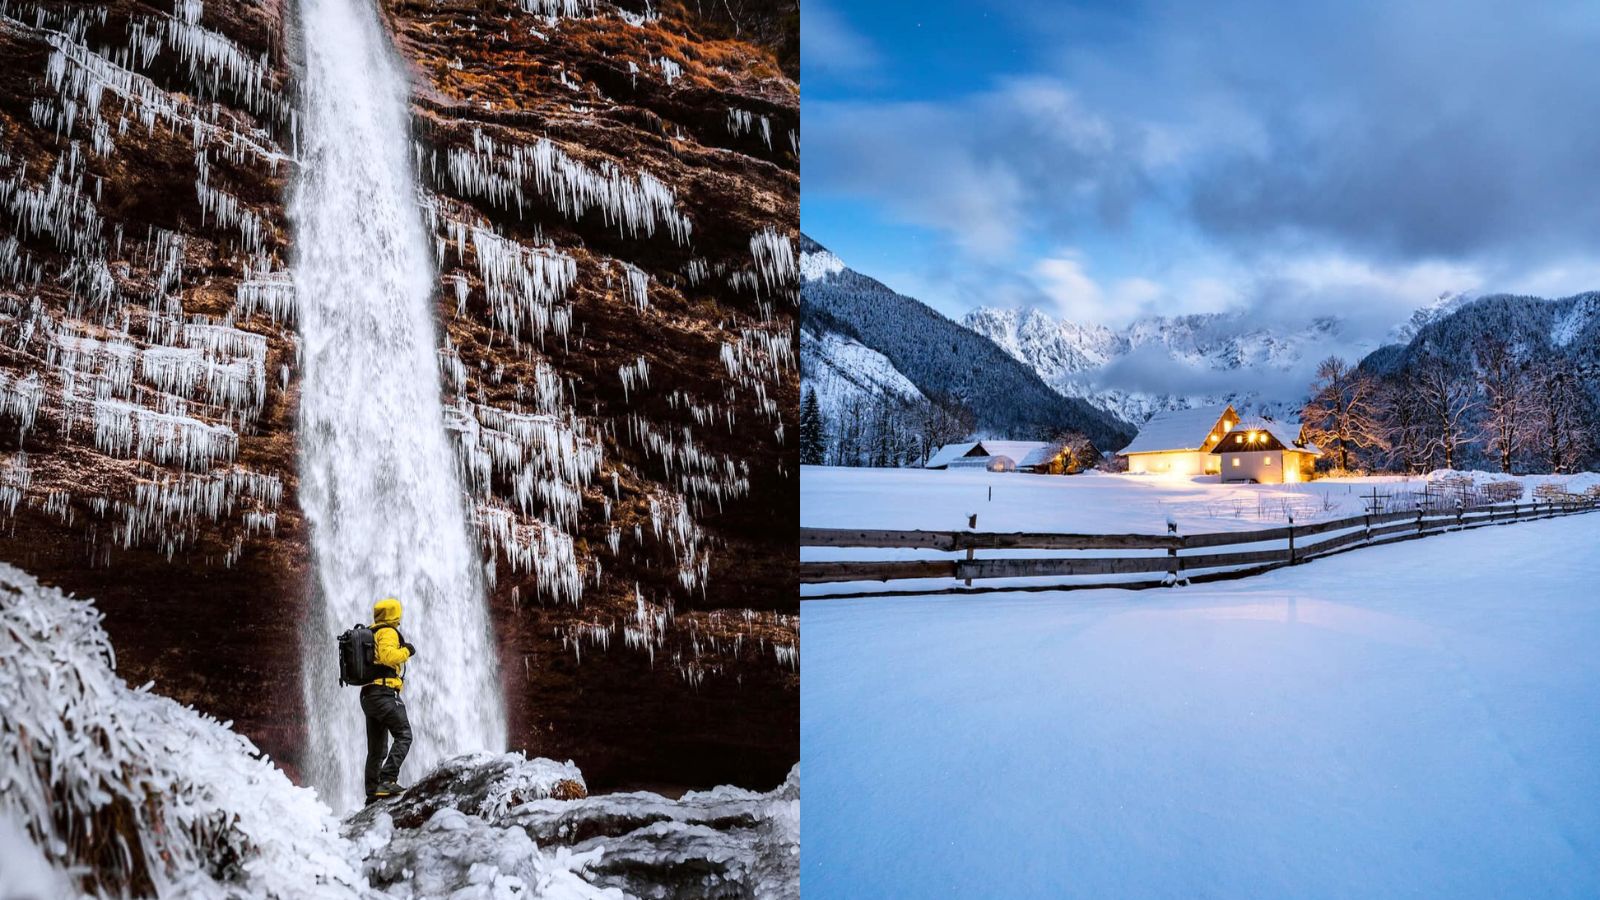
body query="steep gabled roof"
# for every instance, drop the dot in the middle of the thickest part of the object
(1285, 435)
(1017, 451)
(1180, 429)
(949, 452)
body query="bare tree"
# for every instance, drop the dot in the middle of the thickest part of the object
(1071, 452)
(1559, 416)
(1447, 403)
(1402, 420)
(1505, 384)
(1343, 413)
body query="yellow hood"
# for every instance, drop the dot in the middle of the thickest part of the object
(386, 612)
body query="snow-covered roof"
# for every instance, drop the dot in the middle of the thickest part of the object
(1018, 451)
(1180, 429)
(1039, 457)
(1287, 433)
(949, 453)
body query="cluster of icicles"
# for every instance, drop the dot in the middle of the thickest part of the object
(503, 176)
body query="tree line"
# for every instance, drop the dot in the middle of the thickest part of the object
(879, 429)
(1497, 408)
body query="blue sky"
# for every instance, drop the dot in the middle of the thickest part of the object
(1102, 161)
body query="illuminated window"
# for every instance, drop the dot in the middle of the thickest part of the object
(1267, 461)
(1236, 462)
(1238, 439)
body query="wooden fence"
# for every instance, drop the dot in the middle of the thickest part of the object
(1168, 558)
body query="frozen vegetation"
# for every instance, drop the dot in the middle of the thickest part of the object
(1405, 721)
(111, 791)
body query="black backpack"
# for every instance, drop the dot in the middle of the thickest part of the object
(358, 657)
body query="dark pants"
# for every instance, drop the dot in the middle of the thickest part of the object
(386, 716)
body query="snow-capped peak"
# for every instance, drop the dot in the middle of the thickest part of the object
(1445, 304)
(819, 264)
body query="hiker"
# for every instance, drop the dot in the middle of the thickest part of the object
(380, 700)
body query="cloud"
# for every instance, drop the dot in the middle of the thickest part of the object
(1360, 156)
(829, 47)
(1023, 158)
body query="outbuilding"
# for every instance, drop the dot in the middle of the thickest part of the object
(996, 456)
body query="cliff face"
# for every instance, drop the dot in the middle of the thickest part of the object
(613, 196)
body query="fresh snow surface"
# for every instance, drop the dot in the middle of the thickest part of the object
(1091, 503)
(1094, 502)
(1414, 720)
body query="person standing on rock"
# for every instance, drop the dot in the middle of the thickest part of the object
(380, 700)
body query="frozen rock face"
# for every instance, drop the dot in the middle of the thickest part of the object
(610, 196)
(489, 824)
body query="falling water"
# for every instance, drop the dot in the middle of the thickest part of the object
(377, 477)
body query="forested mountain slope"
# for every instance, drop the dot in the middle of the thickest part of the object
(947, 362)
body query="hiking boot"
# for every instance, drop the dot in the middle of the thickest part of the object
(387, 789)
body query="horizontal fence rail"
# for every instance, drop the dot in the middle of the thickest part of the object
(1174, 564)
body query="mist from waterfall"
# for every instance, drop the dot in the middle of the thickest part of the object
(378, 480)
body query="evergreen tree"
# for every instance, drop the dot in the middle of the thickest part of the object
(813, 434)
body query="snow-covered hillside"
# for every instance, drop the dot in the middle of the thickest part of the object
(111, 791)
(1159, 363)
(862, 333)
(840, 369)
(1405, 721)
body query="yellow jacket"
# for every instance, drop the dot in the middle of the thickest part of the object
(386, 641)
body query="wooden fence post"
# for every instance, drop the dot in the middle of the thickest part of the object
(972, 523)
(1172, 555)
(1291, 539)
(1460, 512)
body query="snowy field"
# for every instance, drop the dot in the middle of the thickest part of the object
(1416, 720)
(1092, 503)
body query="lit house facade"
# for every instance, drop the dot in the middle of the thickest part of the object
(1266, 452)
(1181, 442)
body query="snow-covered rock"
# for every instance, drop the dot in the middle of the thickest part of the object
(494, 825)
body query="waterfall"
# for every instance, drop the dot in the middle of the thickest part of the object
(378, 480)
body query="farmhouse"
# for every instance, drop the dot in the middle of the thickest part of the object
(1180, 442)
(996, 456)
(1265, 451)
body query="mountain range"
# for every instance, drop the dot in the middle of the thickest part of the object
(858, 336)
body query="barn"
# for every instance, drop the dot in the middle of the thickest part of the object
(1180, 442)
(1265, 451)
(997, 456)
